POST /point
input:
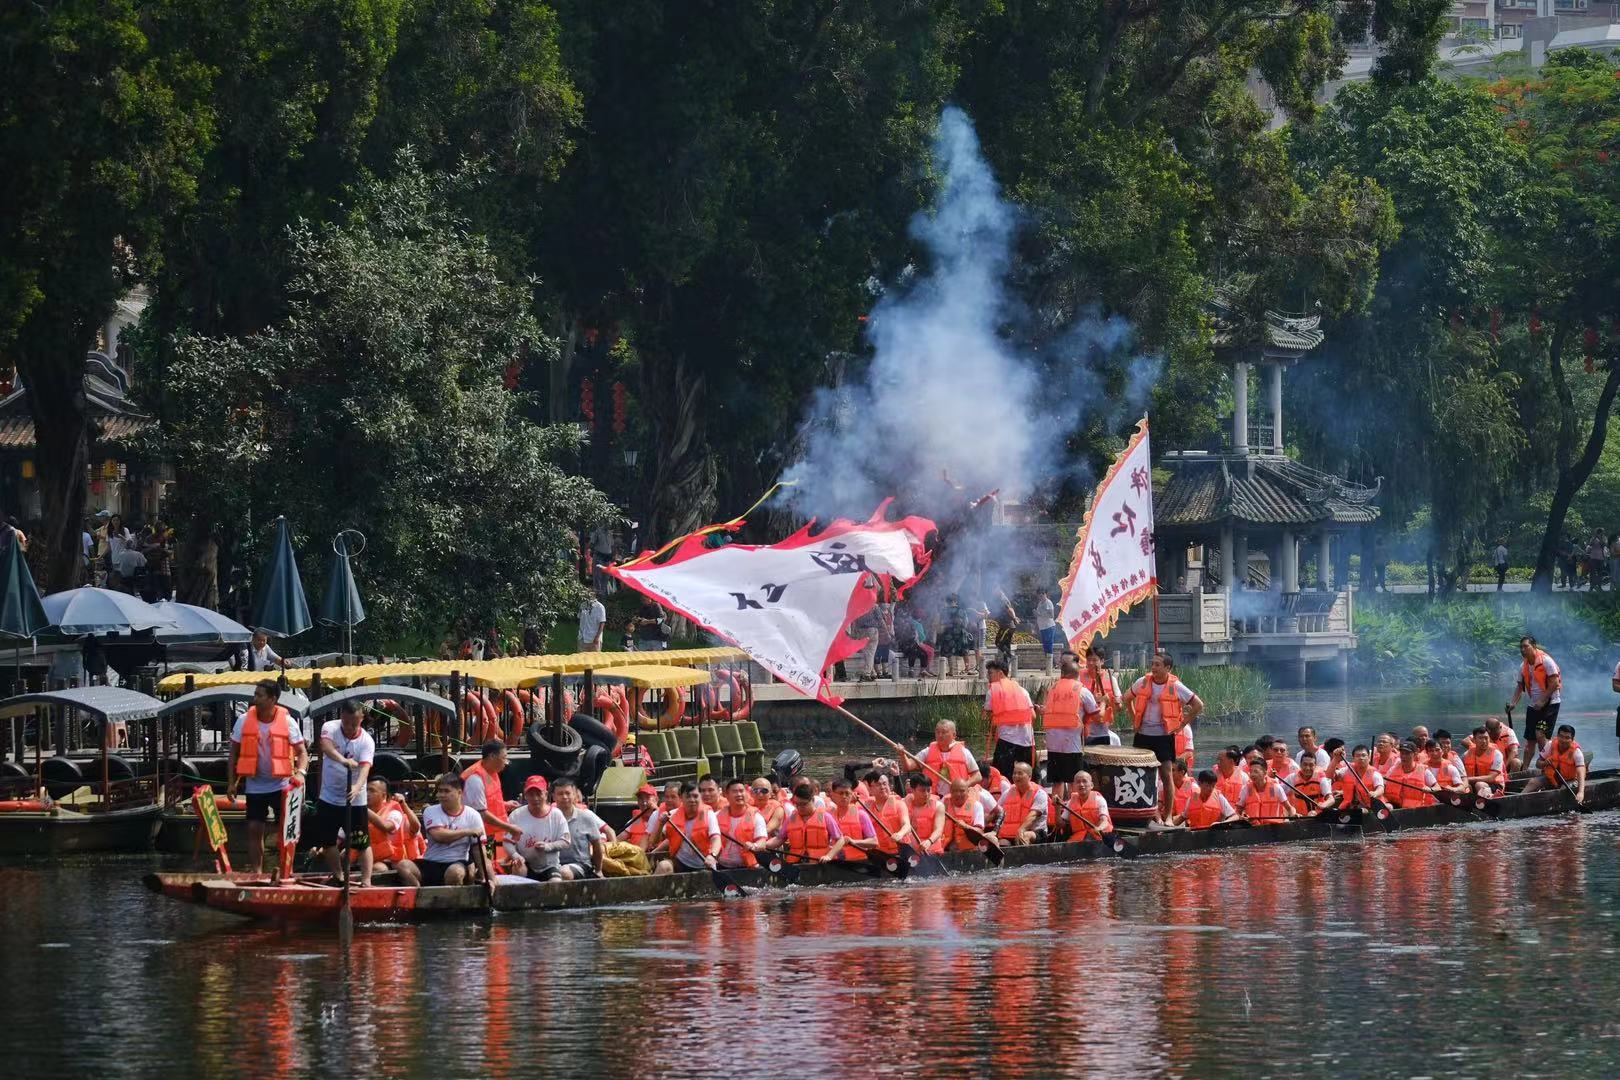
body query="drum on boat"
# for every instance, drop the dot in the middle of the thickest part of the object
(1127, 777)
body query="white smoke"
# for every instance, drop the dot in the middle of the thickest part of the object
(953, 388)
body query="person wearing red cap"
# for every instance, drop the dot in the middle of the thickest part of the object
(542, 835)
(637, 830)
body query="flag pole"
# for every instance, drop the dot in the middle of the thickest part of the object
(1155, 620)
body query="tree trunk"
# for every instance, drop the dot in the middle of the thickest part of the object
(50, 355)
(196, 564)
(1572, 471)
(682, 497)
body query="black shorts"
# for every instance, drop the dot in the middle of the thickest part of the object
(433, 872)
(546, 873)
(1547, 714)
(1163, 746)
(1060, 767)
(580, 869)
(1007, 754)
(260, 806)
(329, 818)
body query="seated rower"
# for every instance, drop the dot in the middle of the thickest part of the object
(808, 834)
(1483, 766)
(1313, 791)
(1335, 750)
(1265, 802)
(589, 833)
(854, 823)
(1360, 786)
(1420, 739)
(767, 801)
(888, 812)
(1411, 783)
(700, 826)
(1384, 754)
(671, 798)
(1186, 787)
(1309, 748)
(1022, 808)
(1184, 747)
(543, 833)
(1537, 748)
(709, 793)
(964, 807)
(1442, 750)
(1447, 769)
(452, 827)
(639, 827)
(742, 827)
(1505, 740)
(1207, 807)
(1562, 762)
(1283, 767)
(1087, 805)
(393, 828)
(1231, 778)
(924, 809)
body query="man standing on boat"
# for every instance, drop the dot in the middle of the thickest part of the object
(347, 750)
(267, 749)
(482, 780)
(1161, 705)
(1539, 677)
(1012, 719)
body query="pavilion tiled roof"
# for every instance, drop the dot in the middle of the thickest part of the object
(17, 432)
(1209, 491)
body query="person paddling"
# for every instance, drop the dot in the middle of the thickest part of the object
(888, 810)
(1360, 786)
(948, 757)
(1230, 777)
(854, 823)
(394, 834)
(808, 834)
(1505, 741)
(1411, 783)
(763, 795)
(1265, 802)
(1313, 792)
(1449, 778)
(1186, 788)
(1540, 678)
(926, 813)
(691, 820)
(267, 752)
(743, 828)
(482, 785)
(1208, 807)
(1087, 805)
(452, 827)
(1563, 763)
(1023, 808)
(962, 805)
(1483, 766)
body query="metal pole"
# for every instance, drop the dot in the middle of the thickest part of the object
(556, 704)
(444, 743)
(588, 693)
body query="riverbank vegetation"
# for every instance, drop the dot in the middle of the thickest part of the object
(1410, 639)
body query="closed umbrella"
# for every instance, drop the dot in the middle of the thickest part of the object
(280, 607)
(22, 613)
(77, 612)
(199, 626)
(341, 605)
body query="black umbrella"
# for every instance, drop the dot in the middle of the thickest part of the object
(22, 614)
(341, 605)
(279, 607)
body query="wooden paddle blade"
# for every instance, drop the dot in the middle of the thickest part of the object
(994, 853)
(1124, 848)
(726, 884)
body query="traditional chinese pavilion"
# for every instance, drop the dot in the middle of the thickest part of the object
(1254, 546)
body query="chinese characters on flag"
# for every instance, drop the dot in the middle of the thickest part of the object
(1113, 565)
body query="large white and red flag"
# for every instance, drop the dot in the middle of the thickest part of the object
(788, 605)
(1113, 566)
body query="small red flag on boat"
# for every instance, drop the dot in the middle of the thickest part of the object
(788, 605)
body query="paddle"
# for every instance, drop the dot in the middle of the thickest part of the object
(780, 860)
(1301, 794)
(345, 915)
(1379, 808)
(906, 856)
(1580, 807)
(990, 849)
(723, 881)
(1435, 793)
(1115, 843)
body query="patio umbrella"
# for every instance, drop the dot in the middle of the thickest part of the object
(22, 614)
(77, 612)
(280, 608)
(341, 605)
(199, 626)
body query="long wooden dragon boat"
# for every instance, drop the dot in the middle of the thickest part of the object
(309, 899)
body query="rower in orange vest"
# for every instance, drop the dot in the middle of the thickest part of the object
(1442, 751)
(854, 823)
(1275, 752)
(948, 757)
(808, 834)
(392, 826)
(1483, 766)
(1563, 762)
(1449, 777)
(962, 805)
(1023, 808)
(483, 793)
(709, 793)
(1266, 801)
(1230, 777)
(1314, 791)
(1420, 739)
(742, 827)
(1186, 787)
(1087, 805)
(1540, 678)
(1384, 754)
(1370, 787)
(1411, 784)
(640, 825)
(924, 809)
(699, 824)
(671, 797)
(888, 811)
(268, 752)
(763, 795)
(1207, 806)
(1503, 738)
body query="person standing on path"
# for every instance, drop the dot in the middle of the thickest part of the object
(592, 622)
(1047, 628)
(1161, 705)
(1499, 559)
(1538, 677)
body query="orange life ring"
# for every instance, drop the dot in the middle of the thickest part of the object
(618, 718)
(404, 726)
(674, 711)
(520, 718)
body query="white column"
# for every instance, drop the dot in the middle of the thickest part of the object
(1226, 559)
(1324, 561)
(1240, 408)
(1276, 409)
(1290, 563)
(1240, 561)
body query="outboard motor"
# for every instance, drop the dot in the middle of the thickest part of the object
(787, 767)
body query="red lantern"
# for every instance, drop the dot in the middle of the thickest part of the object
(587, 402)
(621, 408)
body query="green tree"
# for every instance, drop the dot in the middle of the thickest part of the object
(378, 403)
(104, 121)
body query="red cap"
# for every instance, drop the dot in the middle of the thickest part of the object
(647, 789)
(535, 783)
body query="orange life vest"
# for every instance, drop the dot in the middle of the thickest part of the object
(1316, 790)
(494, 797)
(955, 837)
(1232, 786)
(808, 839)
(1102, 688)
(1536, 672)
(1478, 766)
(891, 812)
(388, 847)
(1267, 806)
(1014, 809)
(1355, 794)
(281, 757)
(1092, 810)
(1407, 785)
(923, 818)
(1289, 770)
(1505, 742)
(849, 823)
(636, 831)
(678, 823)
(953, 763)
(1062, 711)
(729, 828)
(1201, 812)
(1556, 764)
(1169, 703)
(1184, 744)
(1009, 704)
(1184, 795)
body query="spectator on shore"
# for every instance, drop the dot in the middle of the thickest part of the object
(592, 623)
(955, 637)
(1566, 561)
(1597, 561)
(1614, 560)
(1047, 628)
(1499, 560)
(650, 629)
(1006, 624)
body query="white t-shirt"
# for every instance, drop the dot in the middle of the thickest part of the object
(1501, 555)
(547, 828)
(1070, 740)
(1039, 805)
(434, 817)
(128, 561)
(1321, 756)
(1152, 721)
(1533, 690)
(474, 795)
(334, 781)
(1045, 614)
(261, 659)
(592, 617)
(261, 782)
(583, 827)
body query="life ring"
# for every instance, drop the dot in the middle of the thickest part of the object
(742, 694)
(520, 718)
(486, 725)
(32, 805)
(674, 711)
(404, 726)
(617, 718)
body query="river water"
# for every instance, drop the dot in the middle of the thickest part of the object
(1486, 950)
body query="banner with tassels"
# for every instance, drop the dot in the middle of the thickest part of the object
(1114, 566)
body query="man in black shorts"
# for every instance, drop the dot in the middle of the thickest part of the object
(1161, 705)
(452, 828)
(267, 752)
